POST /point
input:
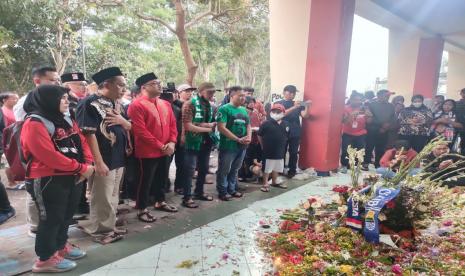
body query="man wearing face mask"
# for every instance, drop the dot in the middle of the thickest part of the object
(273, 136)
(415, 123)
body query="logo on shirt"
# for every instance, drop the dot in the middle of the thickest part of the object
(287, 129)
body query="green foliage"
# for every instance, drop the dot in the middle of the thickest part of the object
(228, 49)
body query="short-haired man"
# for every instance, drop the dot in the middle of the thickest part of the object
(235, 134)
(101, 120)
(40, 75)
(198, 123)
(294, 111)
(185, 95)
(154, 129)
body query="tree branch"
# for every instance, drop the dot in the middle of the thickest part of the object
(156, 19)
(201, 16)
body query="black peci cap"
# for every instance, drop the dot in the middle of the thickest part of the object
(145, 78)
(72, 77)
(106, 74)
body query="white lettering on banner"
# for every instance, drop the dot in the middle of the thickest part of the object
(354, 208)
(276, 97)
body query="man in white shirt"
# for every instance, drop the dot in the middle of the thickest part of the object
(40, 75)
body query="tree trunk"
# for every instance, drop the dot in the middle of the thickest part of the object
(184, 42)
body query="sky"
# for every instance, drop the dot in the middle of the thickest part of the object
(368, 55)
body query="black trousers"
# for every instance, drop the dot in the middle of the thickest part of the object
(357, 142)
(254, 151)
(179, 161)
(417, 142)
(131, 178)
(195, 159)
(4, 202)
(56, 198)
(293, 149)
(151, 181)
(462, 143)
(375, 141)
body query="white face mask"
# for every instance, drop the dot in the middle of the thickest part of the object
(276, 116)
(417, 105)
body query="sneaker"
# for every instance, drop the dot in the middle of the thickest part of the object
(343, 169)
(6, 215)
(71, 252)
(53, 264)
(32, 233)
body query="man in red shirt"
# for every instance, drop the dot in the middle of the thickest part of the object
(353, 127)
(155, 133)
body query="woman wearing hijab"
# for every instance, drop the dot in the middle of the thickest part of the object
(415, 122)
(445, 123)
(58, 159)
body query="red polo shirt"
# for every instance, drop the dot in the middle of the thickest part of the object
(153, 126)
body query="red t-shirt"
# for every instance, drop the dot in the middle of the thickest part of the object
(9, 116)
(354, 127)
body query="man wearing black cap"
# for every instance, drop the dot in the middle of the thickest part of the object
(382, 121)
(294, 110)
(77, 89)
(155, 133)
(100, 118)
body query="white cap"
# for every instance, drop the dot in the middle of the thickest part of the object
(184, 87)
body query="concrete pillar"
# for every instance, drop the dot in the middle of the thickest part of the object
(402, 62)
(455, 75)
(288, 43)
(328, 52)
(428, 66)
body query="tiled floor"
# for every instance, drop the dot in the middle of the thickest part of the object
(223, 247)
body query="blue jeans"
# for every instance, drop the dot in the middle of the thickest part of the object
(191, 157)
(387, 173)
(229, 163)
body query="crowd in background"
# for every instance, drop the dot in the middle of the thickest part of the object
(79, 148)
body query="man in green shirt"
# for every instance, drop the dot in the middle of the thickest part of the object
(235, 135)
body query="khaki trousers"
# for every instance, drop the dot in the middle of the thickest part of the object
(104, 197)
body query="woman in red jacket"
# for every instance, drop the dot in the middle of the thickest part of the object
(58, 159)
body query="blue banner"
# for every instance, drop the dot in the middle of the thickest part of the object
(372, 210)
(354, 217)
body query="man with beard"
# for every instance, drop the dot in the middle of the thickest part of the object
(154, 129)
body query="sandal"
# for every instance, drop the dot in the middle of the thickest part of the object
(16, 187)
(204, 197)
(189, 204)
(108, 238)
(281, 186)
(265, 189)
(237, 195)
(145, 216)
(165, 207)
(179, 191)
(226, 197)
(121, 231)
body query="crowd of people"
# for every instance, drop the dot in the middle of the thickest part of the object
(82, 148)
(85, 147)
(395, 134)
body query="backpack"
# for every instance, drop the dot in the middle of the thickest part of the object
(12, 146)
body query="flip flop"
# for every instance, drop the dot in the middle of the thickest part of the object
(265, 189)
(189, 204)
(237, 195)
(108, 238)
(167, 208)
(204, 197)
(148, 217)
(281, 186)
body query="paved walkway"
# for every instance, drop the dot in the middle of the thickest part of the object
(223, 247)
